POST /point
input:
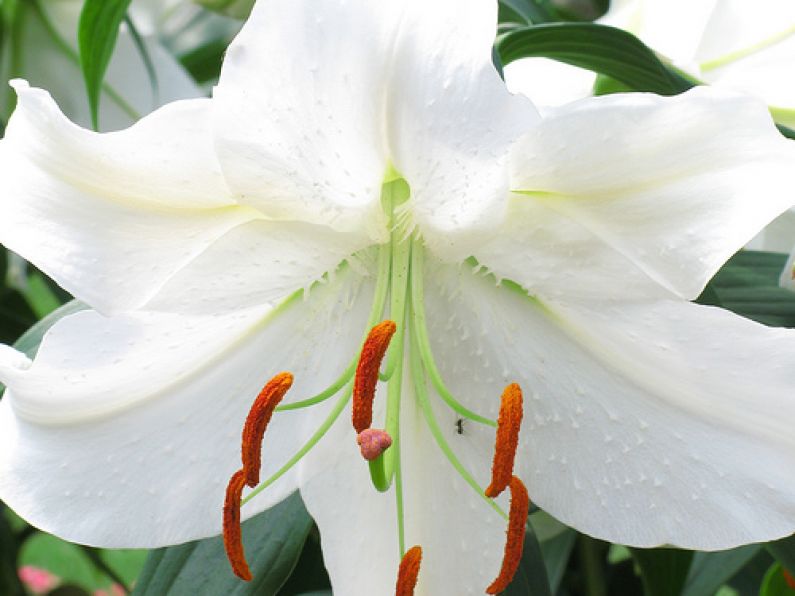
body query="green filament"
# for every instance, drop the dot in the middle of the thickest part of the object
(421, 393)
(399, 290)
(423, 343)
(376, 310)
(307, 447)
(330, 391)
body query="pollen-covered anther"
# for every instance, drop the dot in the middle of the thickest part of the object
(408, 572)
(514, 543)
(257, 421)
(364, 383)
(373, 442)
(508, 423)
(233, 537)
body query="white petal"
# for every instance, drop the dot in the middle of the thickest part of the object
(166, 159)
(125, 430)
(462, 538)
(299, 109)
(645, 423)
(255, 263)
(778, 235)
(659, 24)
(111, 217)
(358, 525)
(12, 363)
(554, 256)
(663, 181)
(762, 75)
(756, 44)
(452, 121)
(734, 26)
(548, 82)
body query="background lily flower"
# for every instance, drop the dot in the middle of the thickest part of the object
(747, 47)
(50, 28)
(380, 169)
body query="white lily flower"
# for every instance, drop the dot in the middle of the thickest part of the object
(748, 47)
(362, 161)
(48, 57)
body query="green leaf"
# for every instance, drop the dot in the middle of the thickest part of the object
(748, 285)
(273, 541)
(557, 552)
(204, 62)
(71, 562)
(662, 570)
(784, 551)
(309, 574)
(774, 583)
(96, 37)
(710, 571)
(786, 131)
(237, 9)
(606, 50)
(531, 577)
(528, 11)
(9, 581)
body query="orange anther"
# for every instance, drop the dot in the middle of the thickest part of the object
(517, 518)
(789, 579)
(367, 373)
(257, 421)
(508, 423)
(233, 538)
(408, 572)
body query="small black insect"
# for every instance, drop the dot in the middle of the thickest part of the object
(459, 426)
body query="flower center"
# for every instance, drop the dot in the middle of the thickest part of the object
(398, 304)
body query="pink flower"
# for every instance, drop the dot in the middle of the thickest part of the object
(38, 581)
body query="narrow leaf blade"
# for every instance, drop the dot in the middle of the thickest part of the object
(96, 36)
(606, 50)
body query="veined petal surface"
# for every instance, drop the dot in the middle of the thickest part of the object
(299, 112)
(452, 122)
(316, 100)
(675, 207)
(125, 430)
(110, 217)
(644, 421)
(143, 216)
(755, 45)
